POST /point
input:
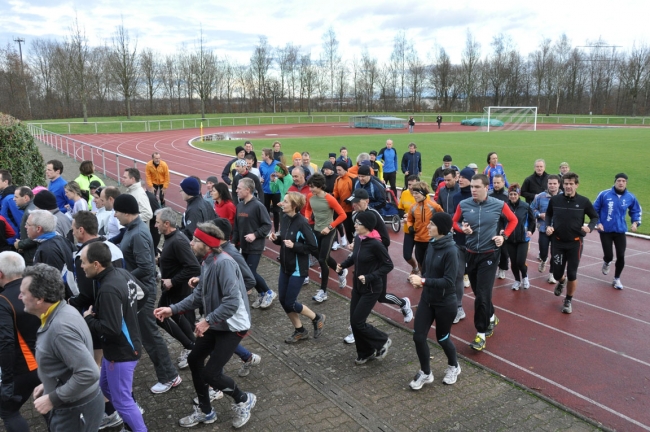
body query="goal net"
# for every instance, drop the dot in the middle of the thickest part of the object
(509, 118)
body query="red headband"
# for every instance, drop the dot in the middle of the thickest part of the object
(206, 238)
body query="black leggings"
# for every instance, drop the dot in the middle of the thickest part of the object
(518, 253)
(219, 346)
(424, 318)
(566, 255)
(392, 179)
(389, 298)
(620, 242)
(420, 250)
(179, 326)
(348, 224)
(271, 201)
(159, 192)
(324, 259)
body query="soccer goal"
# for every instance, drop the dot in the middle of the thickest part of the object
(510, 118)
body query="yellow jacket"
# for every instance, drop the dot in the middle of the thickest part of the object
(157, 175)
(406, 201)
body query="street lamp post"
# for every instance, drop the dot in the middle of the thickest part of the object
(20, 41)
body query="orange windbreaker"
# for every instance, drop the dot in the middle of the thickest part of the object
(343, 187)
(419, 216)
(157, 175)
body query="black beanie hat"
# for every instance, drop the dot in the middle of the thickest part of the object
(443, 222)
(620, 175)
(343, 165)
(45, 200)
(367, 219)
(126, 203)
(224, 225)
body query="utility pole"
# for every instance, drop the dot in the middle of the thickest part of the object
(22, 70)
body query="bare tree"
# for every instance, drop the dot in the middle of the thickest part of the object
(561, 53)
(498, 66)
(42, 59)
(341, 83)
(415, 76)
(260, 63)
(540, 60)
(443, 76)
(469, 63)
(369, 71)
(99, 80)
(635, 71)
(399, 61)
(228, 81)
(204, 71)
(307, 79)
(79, 56)
(151, 71)
(287, 61)
(332, 59)
(124, 65)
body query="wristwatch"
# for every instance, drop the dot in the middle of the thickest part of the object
(207, 319)
(330, 227)
(505, 237)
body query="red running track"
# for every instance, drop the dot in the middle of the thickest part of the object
(595, 361)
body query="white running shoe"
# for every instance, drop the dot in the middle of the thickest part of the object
(466, 281)
(349, 339)
(268, 299)
(551, 279)
(159, 388)
(420, 379)
(451, 375)
(407, 311)
(214, 395)
(182, 359)
(459, 315)
(344, 242)
(515, 286)
(525, 283)
(320, 296)
(617, 284)
(501, 274)
(342, 278)
(246, 366)
(335, 245)
(605, 268)
(306, 281)
(258, 301)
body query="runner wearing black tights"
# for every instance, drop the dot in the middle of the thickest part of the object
(438, 301)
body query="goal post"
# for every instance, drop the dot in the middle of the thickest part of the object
(510, 118)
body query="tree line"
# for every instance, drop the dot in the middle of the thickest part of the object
(69, 78)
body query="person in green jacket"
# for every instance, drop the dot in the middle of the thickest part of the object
(281, 181)
(87, 174)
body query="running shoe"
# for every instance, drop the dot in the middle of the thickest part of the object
(525, 283)
(478, 344)
(197, 417)
(349, 339)
(542, 266)
(559, 287)
(246, 366)
(551, 279)
(297, 336)
(109, 421)
(214, 395)
(491, 326)
(566, 308)
(243, 411)
(318, 323)
(459, 315)
(617, 284)
(258, 301)
(605, 268)
(343, 278)
(516, 285)
(159, 388)
(451, 375)
(268, 299)
(501, 274)
(344, 242)
(420, 379)
(406, 310)
(466, 281)
(182, 359)
(306, 281)
(320, 296)
(335, 245)
(363, 360)
(384, 350)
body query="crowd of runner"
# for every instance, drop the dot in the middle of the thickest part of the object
(82, 263)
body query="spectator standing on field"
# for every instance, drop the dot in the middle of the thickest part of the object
(389, 156)
(86, 177)
(611, 205)
(411, 163)
(411, 124)
(157, 176)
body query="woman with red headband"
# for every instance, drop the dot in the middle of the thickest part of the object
(519, 241)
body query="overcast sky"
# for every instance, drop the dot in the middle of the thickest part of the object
(233, 28)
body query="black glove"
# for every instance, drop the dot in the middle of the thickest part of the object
(411, 229)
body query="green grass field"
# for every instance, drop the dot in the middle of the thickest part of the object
(174, 122)
(595, 154)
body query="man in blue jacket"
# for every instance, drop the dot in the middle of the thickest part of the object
(8, 208)
(611, 205)
(53, 171)
(389, 156)
(411, 163)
